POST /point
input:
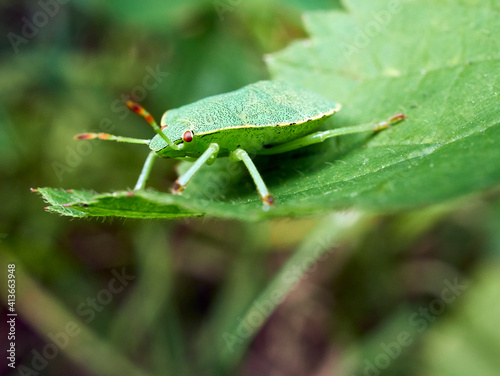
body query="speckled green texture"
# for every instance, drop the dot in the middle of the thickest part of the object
(263, 113)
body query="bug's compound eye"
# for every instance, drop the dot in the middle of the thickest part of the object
(188, 136)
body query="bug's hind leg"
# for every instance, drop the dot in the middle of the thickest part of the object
(318, 137)
(242, 155)
(209, 155)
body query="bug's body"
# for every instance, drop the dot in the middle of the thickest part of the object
(267, 117)
(251, 118)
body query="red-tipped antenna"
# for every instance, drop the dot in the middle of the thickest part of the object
(110, 137)
(139, 110)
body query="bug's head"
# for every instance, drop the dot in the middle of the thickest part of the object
(178, 132)
(165, 138)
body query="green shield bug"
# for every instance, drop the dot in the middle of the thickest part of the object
(267, 117)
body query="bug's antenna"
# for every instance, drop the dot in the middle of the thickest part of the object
(110, 137)
(139, 110)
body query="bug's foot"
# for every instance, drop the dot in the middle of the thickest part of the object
(391, 121)
(268, 202)
(397, 118)
(177, 188)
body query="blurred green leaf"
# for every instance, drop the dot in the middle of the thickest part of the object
(465, 342)
(150, 14)
(438, 62)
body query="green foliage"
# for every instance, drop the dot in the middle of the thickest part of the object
(466, 343)
(204, 297)
(137, 205)
(435, 61)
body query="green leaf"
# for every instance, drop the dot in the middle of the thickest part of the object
(436, 61)
(139, 204)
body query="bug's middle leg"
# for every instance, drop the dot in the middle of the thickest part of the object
(209, 155)
(242, 155)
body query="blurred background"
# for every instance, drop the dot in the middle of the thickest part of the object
(412, 293)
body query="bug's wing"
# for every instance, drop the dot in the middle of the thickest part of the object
(280, 102)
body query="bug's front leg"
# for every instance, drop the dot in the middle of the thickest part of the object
(146, 170)
(209, 155)
(242, 155)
